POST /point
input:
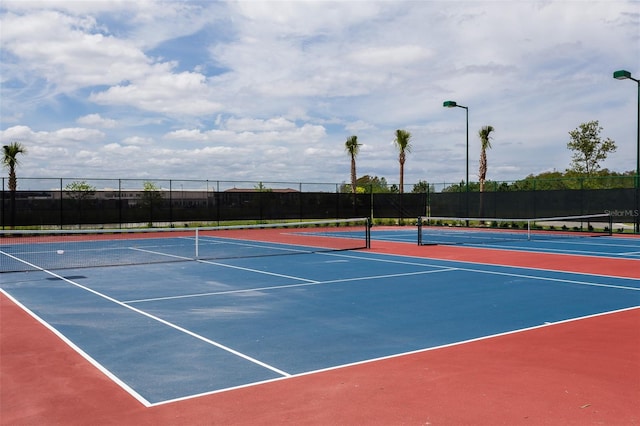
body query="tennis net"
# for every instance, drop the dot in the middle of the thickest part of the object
(453, 230)
(64, 249)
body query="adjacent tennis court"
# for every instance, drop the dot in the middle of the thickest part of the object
(561, 235)
(173, 320)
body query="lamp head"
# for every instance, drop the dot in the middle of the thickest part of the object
(621, 75)
(449, 104)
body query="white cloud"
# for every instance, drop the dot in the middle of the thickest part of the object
(304, 18)
(146, 22)
(60, 136)
(253, 132)
(164, 92)
(138, 141)
(88, 136)
(97, 121)
(68, 52)
(391, 55)
(250, 124)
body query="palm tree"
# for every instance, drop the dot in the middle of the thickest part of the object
(485, 136)
(485, 143)
(352, 147)
(402, 142)
(10, 159)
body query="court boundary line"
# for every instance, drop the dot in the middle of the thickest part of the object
(211, 262)
(440, 269)
(155, 318)
(556, 252)
(80, 351)
(285, 286)
(556, 280)
(398, 355)
(381, 253)
(519, 248)
(504, 273)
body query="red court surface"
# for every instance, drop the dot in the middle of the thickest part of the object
(583, 372)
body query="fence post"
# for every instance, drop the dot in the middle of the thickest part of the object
(61, 206)
(120, 203)
(535, 198)
(3, 197)
(581, 180)
(171, 203)
(372, 201)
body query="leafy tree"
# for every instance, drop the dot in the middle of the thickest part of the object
(403, 143)
(373, 184)
(260, 187)
(422, 187)
(461, 187)
(588, 148)
(555, 180)
(80, 190)
(10, 160)
(502, 187)
(485, 143)
(352, 147)
(151, 195)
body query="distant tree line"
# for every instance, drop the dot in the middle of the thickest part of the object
(547, 181)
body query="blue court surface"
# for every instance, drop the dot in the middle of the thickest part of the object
(170, 331)
(620, 247)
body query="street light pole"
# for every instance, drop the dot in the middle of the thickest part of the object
(626, 75)
(453, 104)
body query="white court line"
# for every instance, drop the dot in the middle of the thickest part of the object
(528, 248)
(393, 356)
(82, 353)
(160, 253)
(581, 241)
(622, 287)
(585, 241)
(507, 273)
(210, 262)
(414, 263)
(155, 318)
(277, 287)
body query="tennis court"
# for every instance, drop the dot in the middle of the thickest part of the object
(566, 235)
(617, 246)
(174, 326)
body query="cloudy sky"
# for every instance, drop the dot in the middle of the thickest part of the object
(271, 90)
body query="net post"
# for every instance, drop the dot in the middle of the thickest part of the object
(368, 224)
(197, 240)
(610, 224)
(419, 230)
(529, 229)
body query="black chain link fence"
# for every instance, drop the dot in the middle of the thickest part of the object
(125, 203)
